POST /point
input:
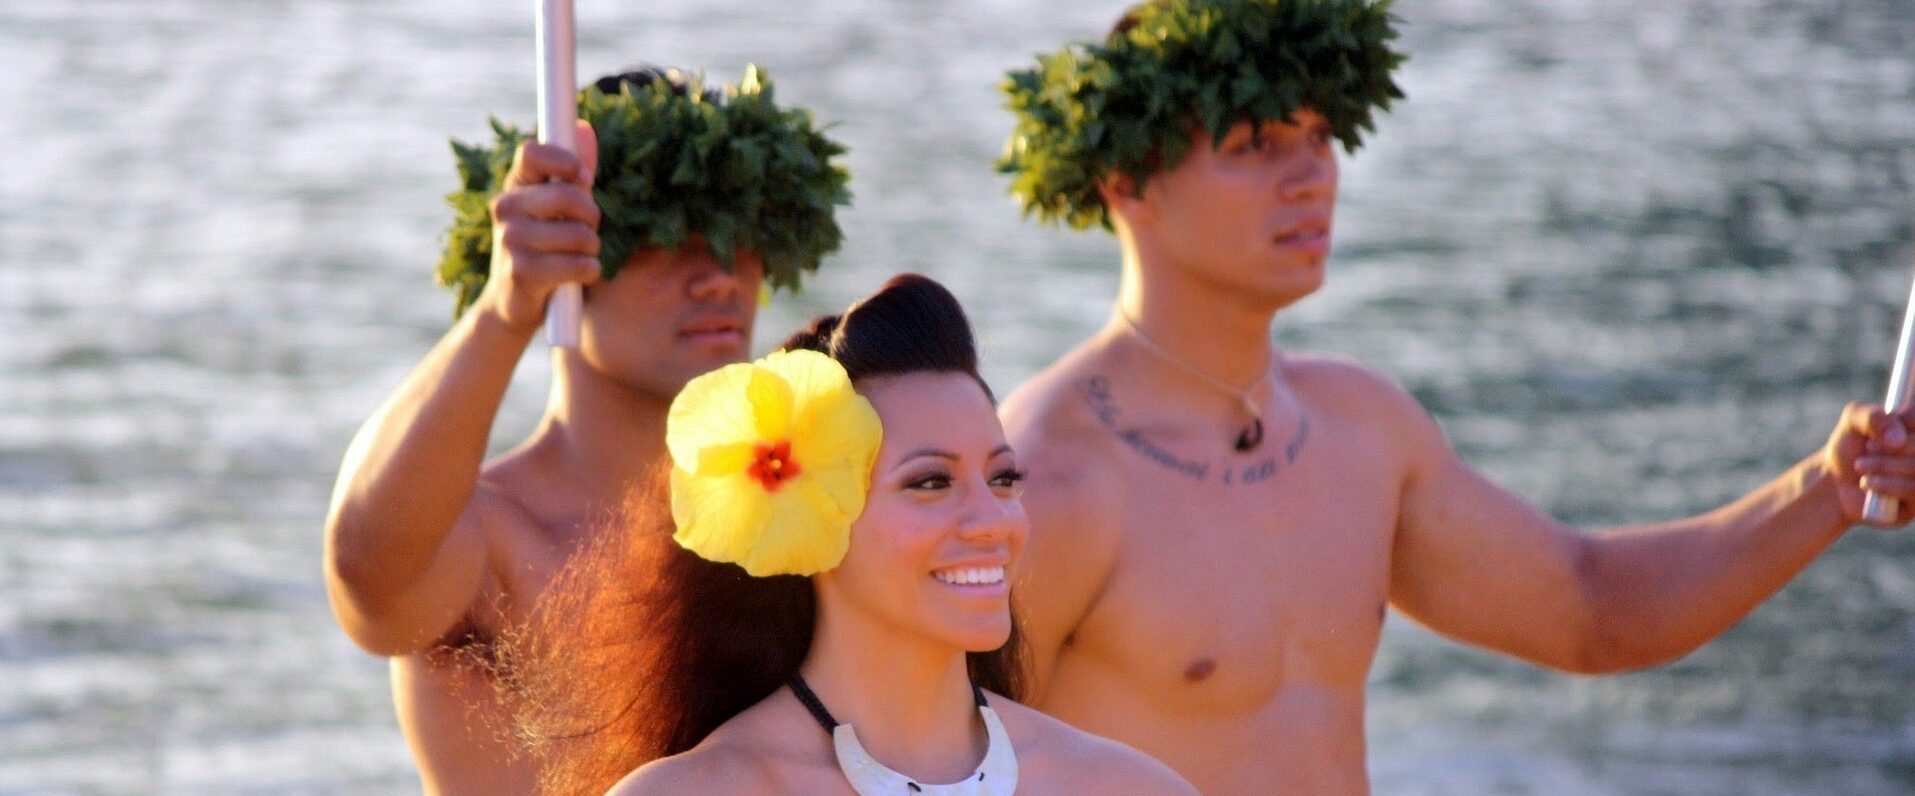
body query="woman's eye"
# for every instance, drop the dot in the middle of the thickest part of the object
(1009, 479)
(929, 482)
(1321, 136)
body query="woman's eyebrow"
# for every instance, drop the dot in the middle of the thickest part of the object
(941, 453)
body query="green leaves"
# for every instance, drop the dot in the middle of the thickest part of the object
(733, 168)
(1130, 105)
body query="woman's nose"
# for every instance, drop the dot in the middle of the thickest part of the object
(990, 518)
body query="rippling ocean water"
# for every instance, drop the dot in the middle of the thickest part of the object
(1634, 255)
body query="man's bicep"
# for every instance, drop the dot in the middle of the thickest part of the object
(397, 611)
(1478, 563)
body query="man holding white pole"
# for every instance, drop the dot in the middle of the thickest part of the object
(432, 551)
(1218, 526)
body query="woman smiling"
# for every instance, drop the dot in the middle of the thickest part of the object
(833, 613)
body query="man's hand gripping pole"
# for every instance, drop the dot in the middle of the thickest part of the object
(1878, 510)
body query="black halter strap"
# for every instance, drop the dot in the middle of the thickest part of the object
(824, 717)
(812, 704)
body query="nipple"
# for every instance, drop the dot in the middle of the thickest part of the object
(1201, 669)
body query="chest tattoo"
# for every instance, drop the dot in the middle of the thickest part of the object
(1103, 405)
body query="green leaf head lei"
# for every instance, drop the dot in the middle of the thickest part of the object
(1131, 104)
(675, 160)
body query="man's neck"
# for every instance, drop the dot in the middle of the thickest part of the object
(1213, 331)
(603, 436)
(908, 697)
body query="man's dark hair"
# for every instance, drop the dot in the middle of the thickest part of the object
(645, 75)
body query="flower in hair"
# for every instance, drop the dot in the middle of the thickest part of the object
(771, 463)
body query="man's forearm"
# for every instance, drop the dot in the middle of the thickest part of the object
(412, 467)
(1658, 592)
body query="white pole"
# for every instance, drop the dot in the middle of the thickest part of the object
(1878, 510)
(558, 118)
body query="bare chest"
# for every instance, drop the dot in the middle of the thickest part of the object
(1271, 571)
(452, 719)
(448, 699)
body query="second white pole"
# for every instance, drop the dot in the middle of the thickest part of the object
(1878, 510)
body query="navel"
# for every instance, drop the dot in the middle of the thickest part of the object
(1201, 669)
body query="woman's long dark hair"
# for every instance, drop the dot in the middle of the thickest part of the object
(642, 648)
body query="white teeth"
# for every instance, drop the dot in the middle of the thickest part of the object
(970, 576)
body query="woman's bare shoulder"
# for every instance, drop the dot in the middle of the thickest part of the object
(1056, 757)
(753, 753)
(696, 772)
(715, 768)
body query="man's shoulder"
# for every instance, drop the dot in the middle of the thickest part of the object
(1089, 761)
(498, 490)
(518, 471)
(1336, 371)
(1062, 448)
(524, 547)
(1346, 383)
(498, 508)
(1366, 403)
(1051, 409)
(1052, 423)
(513, 495)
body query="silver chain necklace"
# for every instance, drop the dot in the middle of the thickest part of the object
(1252, 435)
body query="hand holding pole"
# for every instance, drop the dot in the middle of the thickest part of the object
(1878, 510)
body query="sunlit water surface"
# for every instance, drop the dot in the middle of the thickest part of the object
(1634, 255)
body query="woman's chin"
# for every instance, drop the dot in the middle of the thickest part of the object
(979, 636)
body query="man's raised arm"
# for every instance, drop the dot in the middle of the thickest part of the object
(1477, 563)
(405, 547)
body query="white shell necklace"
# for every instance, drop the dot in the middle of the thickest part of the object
(996, 776)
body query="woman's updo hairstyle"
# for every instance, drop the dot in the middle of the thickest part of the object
(911, 325)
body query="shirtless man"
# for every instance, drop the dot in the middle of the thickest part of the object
(430, 550)
(1215, 600)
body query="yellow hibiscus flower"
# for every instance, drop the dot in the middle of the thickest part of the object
(771, 462)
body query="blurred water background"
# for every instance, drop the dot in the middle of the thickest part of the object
(1634, 254)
